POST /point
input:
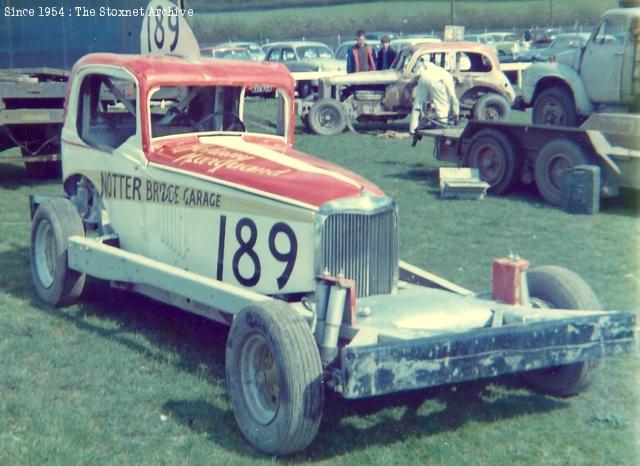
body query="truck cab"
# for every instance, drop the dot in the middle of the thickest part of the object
(602, 76)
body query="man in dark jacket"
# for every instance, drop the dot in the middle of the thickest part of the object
(386, 55)
(360, 57)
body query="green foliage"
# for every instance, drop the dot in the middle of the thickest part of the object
(119, 379)
(403, 15)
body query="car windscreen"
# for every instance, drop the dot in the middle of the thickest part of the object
(216, 109)
(313, 51)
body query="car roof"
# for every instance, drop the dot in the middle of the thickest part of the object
(633, 12)
(298, 43)
(240, 43)
(574, 34)
(463, 46)
(164, 70)
(217, 48)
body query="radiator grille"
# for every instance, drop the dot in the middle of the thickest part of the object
(364, 248)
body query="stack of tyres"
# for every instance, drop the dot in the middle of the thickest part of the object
(581, 190)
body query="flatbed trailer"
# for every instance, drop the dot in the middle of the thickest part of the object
(506, 153)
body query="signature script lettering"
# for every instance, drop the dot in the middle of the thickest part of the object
(216, 158)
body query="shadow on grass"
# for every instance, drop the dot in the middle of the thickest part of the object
(13, 176)
(339, 433)
(198, 342)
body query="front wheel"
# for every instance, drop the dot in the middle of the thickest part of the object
(556, 287)
(54, 222)
(274, 378)
(554, 106)
(327, 117)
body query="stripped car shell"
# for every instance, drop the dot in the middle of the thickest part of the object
(171, 193)
(482, 88)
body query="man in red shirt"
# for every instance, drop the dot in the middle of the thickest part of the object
(360, 57)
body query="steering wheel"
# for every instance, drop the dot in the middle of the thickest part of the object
(175, 114)
(236, 123)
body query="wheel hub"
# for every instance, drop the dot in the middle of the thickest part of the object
(260, 379)
(45, 254)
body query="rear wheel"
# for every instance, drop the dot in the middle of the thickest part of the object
(554, 159)
(556, 287)
(274, 378)
(327, 117)
(554, 106)
(492, 107)
(495, 157)
(54, 222)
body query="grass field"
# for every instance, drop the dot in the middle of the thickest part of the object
(119, 379)
(401, 16)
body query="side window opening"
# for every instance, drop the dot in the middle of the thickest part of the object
(106, 111)
(470, 62)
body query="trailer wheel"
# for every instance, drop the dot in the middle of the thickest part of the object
(556, 287)
(54, 222)
(327, 117)
(554, 106)
(495, 157)
(274, 378)
(556, 157)
(492, 107)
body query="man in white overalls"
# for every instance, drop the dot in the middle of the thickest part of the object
(436, 87)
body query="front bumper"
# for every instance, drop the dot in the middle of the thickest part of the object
(487, 352)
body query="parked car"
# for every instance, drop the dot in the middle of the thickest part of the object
(506, 43)
(316, 54)
(254, 49)
(562, 43)
(235, 53)
(483, 90)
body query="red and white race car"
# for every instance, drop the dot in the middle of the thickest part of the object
(179, 187)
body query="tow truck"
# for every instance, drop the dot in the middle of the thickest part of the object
(183, 189)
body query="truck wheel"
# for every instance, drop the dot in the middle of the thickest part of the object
(327, 117)
(556, 287)
(54, 222)
(492, 107)
(495, 157)
(554, 106)
(274, 378)
(556, 157)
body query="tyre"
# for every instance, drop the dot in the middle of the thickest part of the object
(495, 157)
(492, 107)
(556, 157)
(327, 117)
(274, 378)
(554, 106)
(556, 287)
(54, 222)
